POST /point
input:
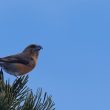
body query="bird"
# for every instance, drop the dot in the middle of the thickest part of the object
(21, 63)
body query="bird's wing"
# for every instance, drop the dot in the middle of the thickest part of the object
(16, 59)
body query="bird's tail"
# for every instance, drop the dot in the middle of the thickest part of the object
(1, 62)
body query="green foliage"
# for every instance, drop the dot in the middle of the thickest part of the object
(18, 96)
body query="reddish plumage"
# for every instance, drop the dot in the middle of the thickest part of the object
(22, 63)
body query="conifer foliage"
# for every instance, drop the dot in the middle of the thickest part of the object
(17, 96)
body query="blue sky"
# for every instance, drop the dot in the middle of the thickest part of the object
(74, 66)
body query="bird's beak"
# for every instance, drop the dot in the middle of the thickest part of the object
(38, 48)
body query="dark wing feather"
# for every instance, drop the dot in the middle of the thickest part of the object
(16, 59)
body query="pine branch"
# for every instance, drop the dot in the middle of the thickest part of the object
(19, 97)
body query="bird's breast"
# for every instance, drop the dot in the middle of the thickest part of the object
(23, 69)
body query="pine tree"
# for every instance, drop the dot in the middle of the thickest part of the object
(17, 96)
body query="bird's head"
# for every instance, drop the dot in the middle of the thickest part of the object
(33, 49)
